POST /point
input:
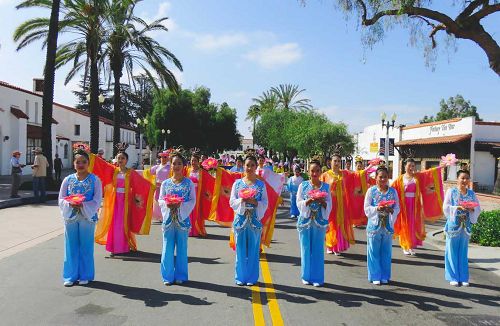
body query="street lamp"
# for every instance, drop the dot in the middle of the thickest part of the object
(387, 125)
(100, 98)
(140, 122)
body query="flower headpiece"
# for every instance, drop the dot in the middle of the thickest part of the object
(261, 152)
(81, 147)
(165, 153)
(195, 152)
(337, 149)
(316, 157)
(358, 158)
(121, 147)
(348, 158)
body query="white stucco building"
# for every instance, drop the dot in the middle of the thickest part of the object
(476, 143)
(21, 121)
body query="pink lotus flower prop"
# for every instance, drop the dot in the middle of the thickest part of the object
(210, 163)
(449, 159)
(247, 193)
(173, 199)
(76, 199)
(386, 203)
(468, 204)
(317, 194)
(375, 161)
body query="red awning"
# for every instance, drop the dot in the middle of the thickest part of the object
(434, 140)
(18, 113)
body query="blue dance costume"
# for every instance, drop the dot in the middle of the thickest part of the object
(379, 231)
(457, 230)
(176, 227)
(293, 186)
(312, 224)
(247, 229)
(79, 226)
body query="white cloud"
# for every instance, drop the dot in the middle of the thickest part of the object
(275, 56)
(163, 11)
(210, 42)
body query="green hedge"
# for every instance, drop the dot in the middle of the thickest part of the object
(486, 231)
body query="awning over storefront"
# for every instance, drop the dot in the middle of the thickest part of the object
(486, 146)
(434, 140)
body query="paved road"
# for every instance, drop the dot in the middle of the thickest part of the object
(128, 289)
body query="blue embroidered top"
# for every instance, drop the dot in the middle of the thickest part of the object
(180, 217)
(245, 213)
(458, 220)
(90, 187)
(379, 221)
(314, 212)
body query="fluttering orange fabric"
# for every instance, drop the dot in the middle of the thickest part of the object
(199, 221)
(432, 191)
(138, 198)
(428, 205)
(207, 193)
(356, 185)
(402, 226)
(221, 212)
(339, 214)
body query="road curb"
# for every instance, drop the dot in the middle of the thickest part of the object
(15, 202)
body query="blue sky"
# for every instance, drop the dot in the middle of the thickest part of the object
(240, 48)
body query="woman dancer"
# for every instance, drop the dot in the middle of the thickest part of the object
(382, 209)
(80, 216)
(461, 209)
(312, 224)
(176, 222)
(247, 227)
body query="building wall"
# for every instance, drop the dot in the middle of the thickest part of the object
(484, 170)
(460, 127)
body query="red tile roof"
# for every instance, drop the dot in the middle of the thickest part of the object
(434, 140)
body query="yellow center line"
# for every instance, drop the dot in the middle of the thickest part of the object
(258, 314)
(274, 308)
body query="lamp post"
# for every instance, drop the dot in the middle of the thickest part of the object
(143, 122)
(163, 131)
(387, 125)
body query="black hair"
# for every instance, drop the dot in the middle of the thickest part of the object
(336, 155)
(239, 158)
(381, 168)
(124, 154)
(260, 156)
(409, 160)
(179, 155)
(297, 168)
(463, 171)
(81, 152)
(251, 158)
(196, 156)
(315, 162)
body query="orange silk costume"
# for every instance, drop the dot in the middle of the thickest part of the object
(428, 205)
(199, 221)
(138, 201)
(357, 183)
(339, 217)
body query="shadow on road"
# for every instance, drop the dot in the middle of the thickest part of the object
(150, 297)
(152, 257)
(294, 260)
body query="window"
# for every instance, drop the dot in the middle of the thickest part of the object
(32, 143)
(66, 148)
(77, 130)
(36, 112)
(28, 109)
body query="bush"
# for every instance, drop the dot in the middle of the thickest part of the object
(486, 231)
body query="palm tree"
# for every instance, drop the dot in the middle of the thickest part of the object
(288, 97)
(49, 75)
(128, 45)
(82, 19)
(266, 102)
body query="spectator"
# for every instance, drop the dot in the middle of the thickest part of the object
(58, 167)
(16, 171)
(39, 174)
(100, 153)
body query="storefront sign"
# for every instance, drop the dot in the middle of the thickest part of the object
(441, 129)
(374, 147)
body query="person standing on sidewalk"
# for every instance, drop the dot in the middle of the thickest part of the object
(80, 217)
(461, 209)
(39, 174)
(16, 171)
(58, 167)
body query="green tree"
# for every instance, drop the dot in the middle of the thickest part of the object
(265, 102)
(454, 107)
(289, 97)
(48, 73)
(425, 19)
(193, 121)
(128, 45)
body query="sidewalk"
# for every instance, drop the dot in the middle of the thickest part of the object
(26, 195)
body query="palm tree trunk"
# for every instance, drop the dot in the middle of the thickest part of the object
(94, 102)
(48, 85)
(117, 72)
